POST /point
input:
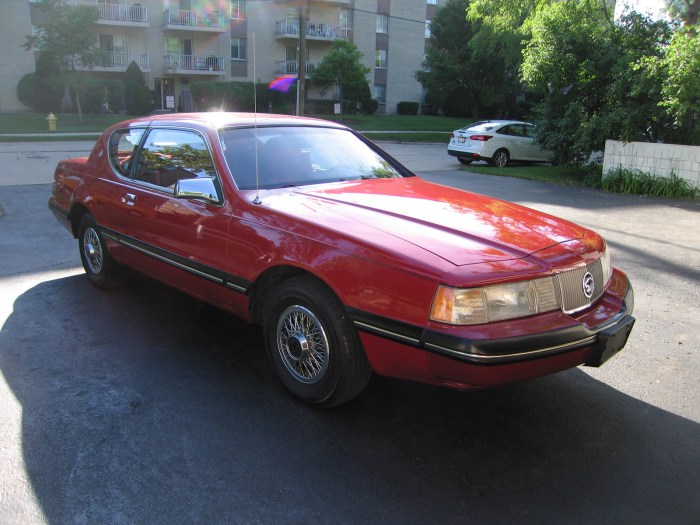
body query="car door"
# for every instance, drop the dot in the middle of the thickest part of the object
(532, 150)
(513, 136)
(180, 241)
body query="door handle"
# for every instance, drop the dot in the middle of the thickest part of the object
(129, 199)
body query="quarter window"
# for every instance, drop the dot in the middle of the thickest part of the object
(170, 155)
(122, 146)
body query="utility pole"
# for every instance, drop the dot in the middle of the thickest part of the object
(301, 79)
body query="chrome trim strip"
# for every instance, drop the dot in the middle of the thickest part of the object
(381, 331)
(512, 357)
(235, 287)
(185, 267)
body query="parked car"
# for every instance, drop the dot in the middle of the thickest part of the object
(349, 261)
(498, 142)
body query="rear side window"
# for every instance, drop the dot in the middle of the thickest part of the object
(122, 146)
(170, 155)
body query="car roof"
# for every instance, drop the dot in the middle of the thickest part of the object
(221, 119)
(498, 122)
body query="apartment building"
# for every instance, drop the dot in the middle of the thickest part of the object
(178, 42)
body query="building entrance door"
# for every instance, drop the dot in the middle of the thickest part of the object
(165, 94)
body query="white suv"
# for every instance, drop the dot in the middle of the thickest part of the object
(498, 142)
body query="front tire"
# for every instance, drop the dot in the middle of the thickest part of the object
(99, 266)
(501, 158)
(313, 345)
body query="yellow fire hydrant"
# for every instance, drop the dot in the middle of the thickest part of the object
(52, 121)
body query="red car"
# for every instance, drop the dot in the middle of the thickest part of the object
(350, 262)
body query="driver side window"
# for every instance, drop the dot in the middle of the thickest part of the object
(170, 155)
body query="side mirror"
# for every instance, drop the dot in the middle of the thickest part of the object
(199, 188)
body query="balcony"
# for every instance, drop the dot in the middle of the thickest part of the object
(129, 15)
(195, 21)
(314, 31)
(194, 65)
(120, 60)
(340, 3)
(112, 61)
(291, 67)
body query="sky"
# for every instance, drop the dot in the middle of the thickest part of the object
(653, 8)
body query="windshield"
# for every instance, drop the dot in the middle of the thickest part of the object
(297, 156)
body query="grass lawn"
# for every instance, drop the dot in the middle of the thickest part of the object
(540, 172)
(420, 128)
(67, 123)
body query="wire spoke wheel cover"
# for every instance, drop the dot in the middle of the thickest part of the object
(302, 344)
(92, 248)
(312, 343)
(99, 266)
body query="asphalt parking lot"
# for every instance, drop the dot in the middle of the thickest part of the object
(141, 406)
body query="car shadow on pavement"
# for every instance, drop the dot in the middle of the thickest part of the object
(140, 406)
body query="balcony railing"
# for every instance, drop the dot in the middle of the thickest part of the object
(291, 67)
(314, 30)
(194, 63)
(117, 12)
(195, 20)
(121, 59)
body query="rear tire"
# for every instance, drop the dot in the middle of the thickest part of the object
(100, 268)
(462, 160)
(500, 158)
(313, 344)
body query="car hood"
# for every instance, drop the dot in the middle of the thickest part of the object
(457, 226)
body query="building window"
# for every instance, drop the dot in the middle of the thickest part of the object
(238, 9)
(345, 20)
(432, 2)
(427, 28)
(380, 93)
(380, 58)
(239, 49)
(382, 23)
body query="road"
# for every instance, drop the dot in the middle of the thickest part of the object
(140, 406)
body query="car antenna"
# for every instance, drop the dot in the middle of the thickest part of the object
(256, 200)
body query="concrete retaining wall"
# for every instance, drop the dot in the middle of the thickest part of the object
(655, 159)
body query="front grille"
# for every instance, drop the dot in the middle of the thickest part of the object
(573, 297)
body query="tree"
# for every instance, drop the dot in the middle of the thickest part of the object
(49, 83)
(137, 96)
(598, 80)
(467, 72)
(343, 66)
(685, 10)
(63, 36)
(682, 88)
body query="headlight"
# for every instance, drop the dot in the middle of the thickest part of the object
(466, 306)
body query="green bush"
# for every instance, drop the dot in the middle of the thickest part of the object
(622, 180)
(103, 96)
(239, 96)
(49, 85)
(43, 89)
(371, 106)
(407, 108)
(26, 88)
(319, 106)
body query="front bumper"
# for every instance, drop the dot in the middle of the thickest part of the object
(541, 345)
